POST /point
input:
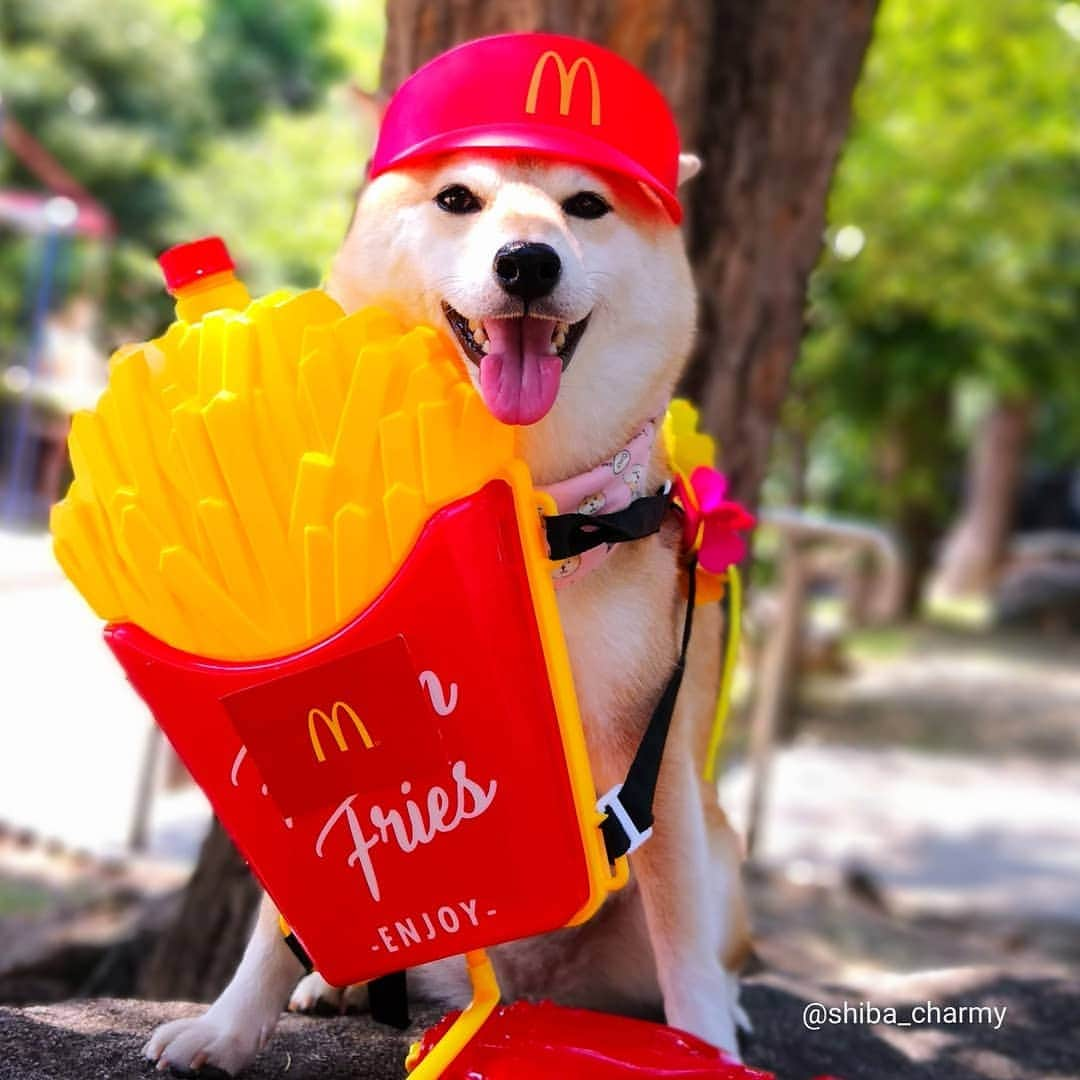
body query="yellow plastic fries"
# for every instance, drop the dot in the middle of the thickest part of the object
(249, 482)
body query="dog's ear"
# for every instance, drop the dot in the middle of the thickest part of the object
(369, 107)
(689, 167)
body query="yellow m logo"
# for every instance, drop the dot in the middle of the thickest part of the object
(333, 725)
(567, 78)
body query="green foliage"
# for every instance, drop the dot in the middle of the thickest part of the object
(144, 100)
(258, 53)
(357, 40)
(281, 194)
(953, 249)
(282, 191)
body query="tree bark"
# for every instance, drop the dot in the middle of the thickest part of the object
(976, 545)
(762, 91)
(197, 956)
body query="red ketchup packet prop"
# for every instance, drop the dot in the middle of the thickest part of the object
(540, 1041)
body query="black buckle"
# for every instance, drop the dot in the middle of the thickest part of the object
(629, 837)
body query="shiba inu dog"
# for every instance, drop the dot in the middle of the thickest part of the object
(567, 290)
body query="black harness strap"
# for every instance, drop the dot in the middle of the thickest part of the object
(629, 805)
(388, 998)
(298, 951)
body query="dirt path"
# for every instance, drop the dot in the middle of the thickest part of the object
(945, 767)
(940, 832)
(923, 843)
(74, 732)
(103, 1038)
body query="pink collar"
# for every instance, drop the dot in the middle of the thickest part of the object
(610, 486)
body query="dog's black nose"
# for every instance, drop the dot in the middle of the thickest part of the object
(527, 271)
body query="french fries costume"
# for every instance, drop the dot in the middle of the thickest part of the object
(326, 570)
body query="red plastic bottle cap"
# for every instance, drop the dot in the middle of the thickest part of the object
(193, 261)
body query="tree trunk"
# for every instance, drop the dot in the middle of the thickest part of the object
(920, 530)
(914, 446)
(976, 546)
(762, 90)
(776, 108)
(197, 956)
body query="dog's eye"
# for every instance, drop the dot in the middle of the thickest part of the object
(457, 199)
(586, 204)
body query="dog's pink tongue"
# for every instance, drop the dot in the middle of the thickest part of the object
(519, 378)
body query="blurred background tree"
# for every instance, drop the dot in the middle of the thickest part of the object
(169, 109)
(946, 311)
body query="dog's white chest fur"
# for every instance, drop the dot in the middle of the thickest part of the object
(619, 625)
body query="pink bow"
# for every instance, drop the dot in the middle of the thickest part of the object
(712, 523)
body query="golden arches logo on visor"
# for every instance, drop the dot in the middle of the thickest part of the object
(332, 723)
(567, 79)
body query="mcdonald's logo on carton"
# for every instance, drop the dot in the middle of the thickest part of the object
(332, 723)
(567, 77)
(356, 724)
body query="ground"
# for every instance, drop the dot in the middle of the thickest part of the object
(102, 1038)
(922, 844)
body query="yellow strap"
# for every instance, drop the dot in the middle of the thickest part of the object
(727, 676)
(485, 998)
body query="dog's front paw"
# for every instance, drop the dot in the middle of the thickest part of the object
(314, 994)
(208, 1040)
(708, 1006)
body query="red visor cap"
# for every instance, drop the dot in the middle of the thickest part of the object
(545, 94)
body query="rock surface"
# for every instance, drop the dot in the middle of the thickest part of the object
(102, 1039)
